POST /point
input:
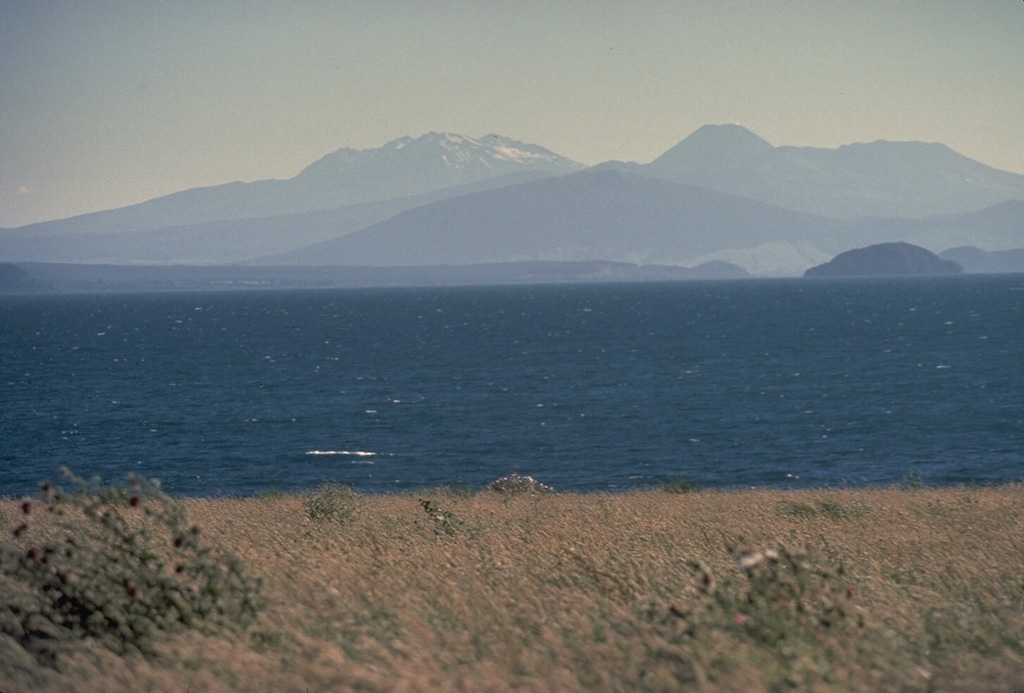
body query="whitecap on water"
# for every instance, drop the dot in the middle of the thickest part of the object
(349, 453)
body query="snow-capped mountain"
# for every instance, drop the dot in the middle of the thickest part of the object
(462, 152)
(722, 194)
(413, 166)
(401, 168)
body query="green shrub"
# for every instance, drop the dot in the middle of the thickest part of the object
(779, 602)
(837, 511)
(118, 565)
(444, 521)
(331, 503)
(796, 509)
(912, 481)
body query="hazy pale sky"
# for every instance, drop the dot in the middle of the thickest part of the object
(104, 103)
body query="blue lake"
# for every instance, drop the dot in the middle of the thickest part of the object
(779, 383)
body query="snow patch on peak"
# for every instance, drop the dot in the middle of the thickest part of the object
(464, 158)
(458, 139)
(398, 144)
(509, 150)
(487, 150)
(503, 151)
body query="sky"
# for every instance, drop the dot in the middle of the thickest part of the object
(105, 103)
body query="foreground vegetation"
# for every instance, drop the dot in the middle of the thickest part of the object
(514, 588)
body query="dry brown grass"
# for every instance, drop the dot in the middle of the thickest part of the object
(599, 592)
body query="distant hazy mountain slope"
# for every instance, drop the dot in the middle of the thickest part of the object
(593, 215)
(998, 227)
(401, 168)
(225, 241)
(610, 214)
(721, 194)
(978, 261)
(15, 280)
(887, 179)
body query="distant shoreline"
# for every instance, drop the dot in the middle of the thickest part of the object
(92, 278)
(681, 485)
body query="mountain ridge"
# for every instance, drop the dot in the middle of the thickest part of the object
(927, 182)
(370, 175)
(721, 140)
(592, 215)
(880, 178)
(220, 242)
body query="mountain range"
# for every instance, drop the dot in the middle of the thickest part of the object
(722, 194)
(882, 179)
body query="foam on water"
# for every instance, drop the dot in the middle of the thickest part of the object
(353, 453)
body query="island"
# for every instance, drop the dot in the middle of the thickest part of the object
(885, 259)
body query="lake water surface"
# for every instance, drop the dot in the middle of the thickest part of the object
(588, 387)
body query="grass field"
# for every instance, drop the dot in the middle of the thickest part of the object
(913, 589)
